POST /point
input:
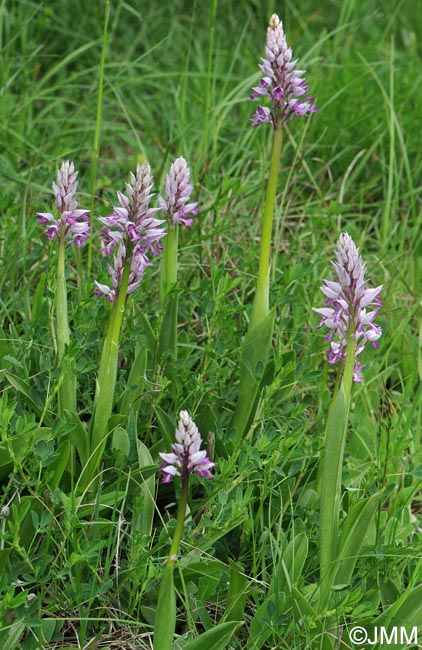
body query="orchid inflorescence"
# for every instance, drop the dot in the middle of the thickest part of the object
(186, 456)
(72, 225)
(133, 230)
(178, 191)
(345, 313)
(284, 85)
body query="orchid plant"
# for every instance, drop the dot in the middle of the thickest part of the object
(349, 314)
(132, 235)
(70, 227)
(287, 91)
(179, 211)
(186, 458)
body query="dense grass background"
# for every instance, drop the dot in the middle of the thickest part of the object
(177, 78)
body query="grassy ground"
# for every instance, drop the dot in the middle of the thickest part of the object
(176, 80)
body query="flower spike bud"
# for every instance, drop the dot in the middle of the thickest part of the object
(186, 456)
(132, 233)
(178, 191)
(284, 85)
(346, 306)
(72, 224)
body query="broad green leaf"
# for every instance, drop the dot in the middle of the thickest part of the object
(38, 296)
(261, 626)
(135, 383)
(165, 618)
(120, 445)
(301, 604)
(48, 626)
(79, 437)
(332, 467)
(144, 507)
(63, 454)
(353, 534)
(290, 564)
(406, 612)
(6, 462)
(256, 351)
(167, 341)
(10, 639)
(132, 431)
(4, 560)
(147, 334)
(236, 596)
(215, 639)
(389, 592)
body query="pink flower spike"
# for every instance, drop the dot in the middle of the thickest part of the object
(186, 456)
(73, 224)
(131, 232)
(178, 192)
(282, 83)
(345, 310)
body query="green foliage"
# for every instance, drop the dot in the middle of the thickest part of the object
(79, 567)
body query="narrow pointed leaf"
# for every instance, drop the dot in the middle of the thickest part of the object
(167, 342)
(353, 534)
(215, 639)
(255, 356)
(135, 383)
(165, 618)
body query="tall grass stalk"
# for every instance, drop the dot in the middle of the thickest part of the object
(97, 136)
(67, 388)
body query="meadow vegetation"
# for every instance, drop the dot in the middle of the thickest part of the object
(110, 85)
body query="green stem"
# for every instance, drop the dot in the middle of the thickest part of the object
(61, 305)
(67, 389)
(180, 520)
(96, 148)
(168, 269)
(332, 467)
(168, 294)
(165, 619)
(261, 306)
(106, 381)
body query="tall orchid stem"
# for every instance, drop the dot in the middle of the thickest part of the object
(106, 381)
(332, 466)
(180, 520)
(261, 305)
(67, 390)
(168, 270)
(165, 620)
(168, 295)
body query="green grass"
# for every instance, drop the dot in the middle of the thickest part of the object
(80, 567)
